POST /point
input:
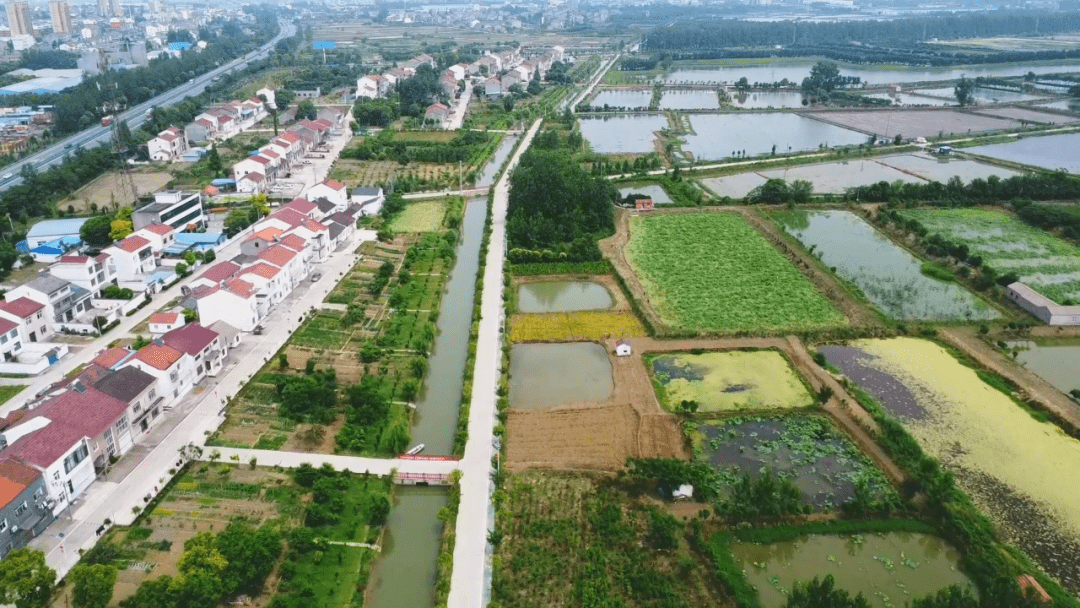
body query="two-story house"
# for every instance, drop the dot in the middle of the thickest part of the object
(174, 370)
(161, 236)
(64, 301)
(34, 322)
(90, 273)
(134, 257)
(168, 146)
(11, 342)
(331, 190)
(289, 261)
(271, 283)
(142, 392)
(24, 511)
(234, 301)
(206, 348)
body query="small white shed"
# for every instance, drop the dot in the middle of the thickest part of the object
(684, 492)
(622, 349)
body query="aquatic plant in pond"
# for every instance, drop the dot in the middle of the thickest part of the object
(888, 275)
(713, 272)
(1045, 263)
(1017, 470)
(725, 381)
(888, 569)
(805, 449)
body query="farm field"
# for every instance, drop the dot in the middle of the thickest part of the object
(822, 462)
(1027, 115)
(421, 216)
(572, 326)
(728, 381)
(568, 537)
(887, 274)
(1007, 245)
(916, 123)
(432, 176)
(688, 261)
(106, 190)
(245, 513)
(1016, 468)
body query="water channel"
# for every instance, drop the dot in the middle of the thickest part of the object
(487, 176)
(796, 71)
(404, 573)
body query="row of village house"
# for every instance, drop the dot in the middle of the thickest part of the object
(52, 448)
(503, 70)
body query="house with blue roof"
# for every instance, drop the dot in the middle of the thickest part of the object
(201, 241)
(51, 230)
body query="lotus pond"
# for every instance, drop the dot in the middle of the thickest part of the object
(807, 449)
(728, 381)
(1019, 471)
(888, 569)
(887, 274)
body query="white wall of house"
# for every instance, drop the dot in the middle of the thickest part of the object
(226, 306)
(70, 475)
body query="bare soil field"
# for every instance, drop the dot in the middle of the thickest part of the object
(106, 190)
(1026, 115)
(914, 123)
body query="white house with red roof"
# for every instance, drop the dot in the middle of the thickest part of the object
(215, 274)
(174, 370)
(331, 190)
(168, 146)
(205, 347)
(30, 315)
(11, 342)
(91, 273)
(60, 451)
(303, 207)
(234, 301)
(164, 322)
(317, 237)
(251, 183)
(271, 283)
(289, 261)
(256, 163)
(134, 257)
(160, 236)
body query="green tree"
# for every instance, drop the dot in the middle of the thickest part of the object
(93, 585)
(213, 162)
(25, 580)
(95, 232)
(964, 91)
(823, 594)
(250, 553)
(305, 110)
(235, 222)
(201, 556)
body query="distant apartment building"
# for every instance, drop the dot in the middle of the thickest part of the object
(60, 13)
(18, 14)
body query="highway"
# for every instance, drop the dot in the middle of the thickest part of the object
(135, 116)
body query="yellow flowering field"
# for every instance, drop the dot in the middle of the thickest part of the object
(594, 325)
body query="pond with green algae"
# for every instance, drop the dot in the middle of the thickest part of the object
(887, 274)
(888, 569)
(807, 449)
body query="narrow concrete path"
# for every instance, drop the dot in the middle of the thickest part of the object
(355, 464)
(469, 582)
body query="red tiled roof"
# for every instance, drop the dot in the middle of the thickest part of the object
(294, 242)
(21, 307)
(164, 318)
(101, 258)
(133, 243)
(289, 216)
(158, 356)
(191, 338)
(224, 118)
(18, 472)
(333, 184)
(220, 271)
(111, 357)
(269, 153)
(88, 411)
(267, 234)
(278, 255)
(6, 326)
(240, 287)
(313, 226)
(261, 269)
(324, 123)
(44, 447)
(159, 229)
(292, 138)
(167, 137)
(301, 205)
(74, 259)
(204, 122)
(254, 176)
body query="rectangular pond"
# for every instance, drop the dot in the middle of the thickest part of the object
(1066, 105)
(734, 186)
(630, 99)
(728, 381)
(767, 99)
(905, 99)
(942, 170)
(545, 375)
(1049, 151)
(1019, 471)
(1056, 361)
(680, 99)
(887, 569)
(807, 449)
(718, 136)
(836, 178)
(562, 296)
(622, 134)
(796, 71)
(982, 95)
(886, 273)
(655, 191)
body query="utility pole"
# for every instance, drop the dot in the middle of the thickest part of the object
(112, 106)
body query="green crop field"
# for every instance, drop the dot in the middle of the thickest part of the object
(713, 272)
(422, 216)
(1043, 262)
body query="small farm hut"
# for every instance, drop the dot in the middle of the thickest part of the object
(622, 349)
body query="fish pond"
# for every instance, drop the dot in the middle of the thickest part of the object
(942, 169)
(1056, 361)
(1018, 470)
(836, 178)
(888, 569)
(718, 136)
(728, 381)
(904, 99)
(1049, 152)
(630, 99)
(1043, 262)
(982, 95)
(767, 99)
(807, 449)
(545, 375)
(655, 191)
(622, 134)
(562, 296)
(689, 100)
(887, 274)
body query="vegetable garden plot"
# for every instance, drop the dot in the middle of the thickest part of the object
(712, 272)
